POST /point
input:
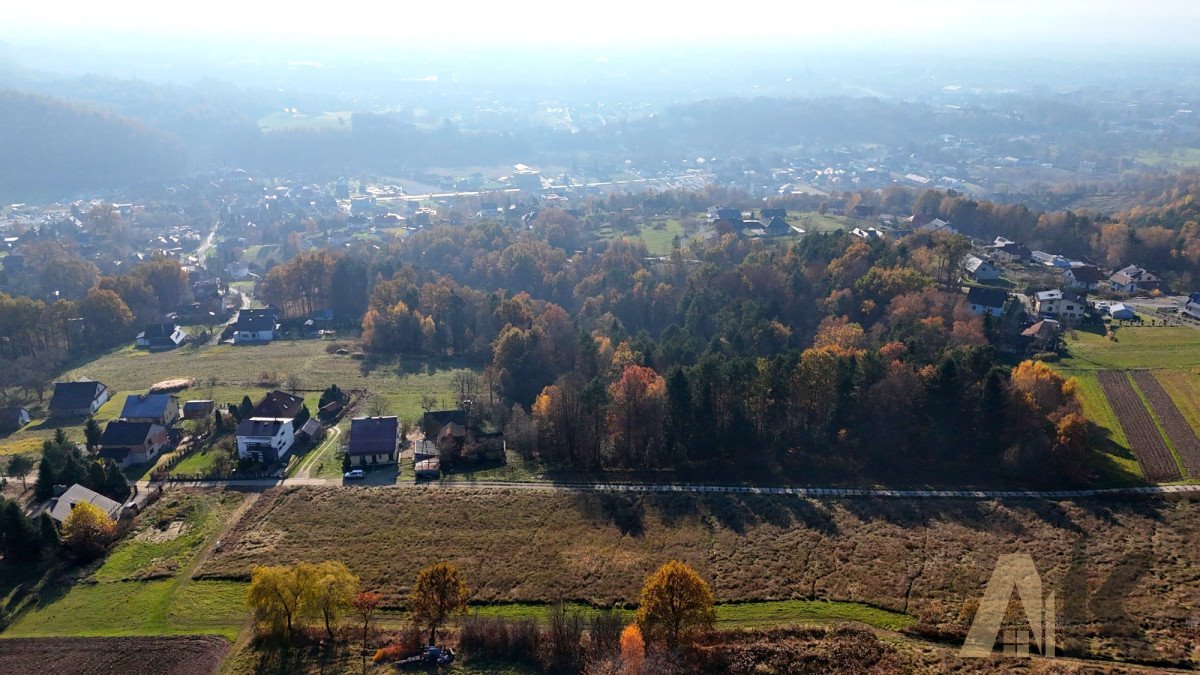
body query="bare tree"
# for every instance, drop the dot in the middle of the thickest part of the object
(428, 402)
(294, 383)
(377, 406)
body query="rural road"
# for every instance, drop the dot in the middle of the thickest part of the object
(719, 489)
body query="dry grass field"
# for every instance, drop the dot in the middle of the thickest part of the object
(927, 558)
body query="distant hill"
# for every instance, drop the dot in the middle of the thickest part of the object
(49, 146)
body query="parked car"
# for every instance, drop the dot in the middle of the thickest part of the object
(355, 473)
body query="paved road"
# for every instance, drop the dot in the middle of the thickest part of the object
(720, 489)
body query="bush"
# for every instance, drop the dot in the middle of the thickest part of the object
(390, 653)
(501, 638)
(1045, 356)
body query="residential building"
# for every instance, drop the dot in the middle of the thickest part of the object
(1084, 278)
(1060, 304)
(160, 337)
(433, 421)
(1043, 336)
(196, 409)
(1049, 259)
(869, 233)
(986, 300)
(1119, 310)
(255, 326)
(1191, 306)
(128, 443)
(1009, 251)
(268, 433)
(1134, 279)
(160, 409)
(373, 440)
(60, 506)
(83, 397)
(979, 269)
(13, 418)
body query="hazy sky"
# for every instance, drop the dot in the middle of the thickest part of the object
(1162, 25)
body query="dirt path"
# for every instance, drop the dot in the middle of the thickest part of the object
(311, 459)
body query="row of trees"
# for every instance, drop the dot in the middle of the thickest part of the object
(62, 463)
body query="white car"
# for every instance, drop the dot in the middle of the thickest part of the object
(355, 473)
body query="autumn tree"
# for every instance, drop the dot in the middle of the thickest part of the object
(439, 594)
(333, 589)
(278, 594)
(674, 603)
(366, 605)
(638, 405)
(633, 650)
(107, 319)
(87, 530)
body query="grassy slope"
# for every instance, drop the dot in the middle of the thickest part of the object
(236, 371)
(111, 603)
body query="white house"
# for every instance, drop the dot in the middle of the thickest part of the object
(1084, 278)
(979, 269)
(264, 440)
(160, 336)
(268, 433)
(255, 326)
(1050, 259)
(1118, 310)
(1056, 303)
(986, 300)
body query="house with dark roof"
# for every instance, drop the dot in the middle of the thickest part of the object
(13, 418)
(128, 443)
(1084, 278)
(160, 337)
(373, 440)
(60, 506)
(255, 326)
(986, 300)
(160, 409)
(197, 408)
(433, 421)
(83, 397)
(1191, 306)
(268, 433)
(1009, 251)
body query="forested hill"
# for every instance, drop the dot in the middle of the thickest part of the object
(49, 146)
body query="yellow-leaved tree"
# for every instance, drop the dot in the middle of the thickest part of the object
(331, 592)
(277, 595)
(440, 593)
(675, 602)
(88, 530)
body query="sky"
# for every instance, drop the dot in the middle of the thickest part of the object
(1159, 25)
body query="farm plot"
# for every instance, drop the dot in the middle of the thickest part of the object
(1153, 455)
(181, 655)
(1177, 428)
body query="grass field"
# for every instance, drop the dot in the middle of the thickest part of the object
(1181, 157)
(115, 600)
(812, 221)
(235, 372)
(923, 558)
(660, 235)
(1171, 353)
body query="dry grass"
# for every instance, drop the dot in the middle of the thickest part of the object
(928, 558)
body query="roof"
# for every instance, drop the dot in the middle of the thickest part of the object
(428, 465)
(252, 427)
(1046, 296)
(197, 404)
(147, 405)
(277, 405)
(75, 395)
(158, 330)
(1088, 274)
(310, 427)
(10, 415)
(440, 418)
(254, 323)
(987, 297)
(60, 507)
(123, 432)
(452, 429)
(370, 435)
(1043, 327)
(973, 263)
